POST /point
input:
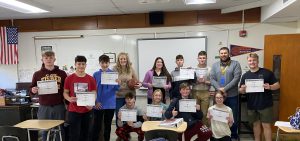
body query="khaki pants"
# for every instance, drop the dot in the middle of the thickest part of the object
(202, 97)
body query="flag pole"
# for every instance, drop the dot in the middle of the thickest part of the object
(12, 24)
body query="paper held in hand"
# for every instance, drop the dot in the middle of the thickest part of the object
(154, 111)
(128, 115)
(109, 78)
(254, 85)
(219, 115)
(85, 98)
(47, 87)
(187, 105)
(159, 81)
(186, 73)
(201, 72)
(171, 123)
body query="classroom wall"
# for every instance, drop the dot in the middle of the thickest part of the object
(30, 59)
(298, 26)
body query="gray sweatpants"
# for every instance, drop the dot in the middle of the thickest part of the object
(56, 112)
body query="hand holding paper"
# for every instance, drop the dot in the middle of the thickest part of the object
(154, 111)
(86, 98)
(254, 85)
(47, 87)
(219, 115)
(187, 105)
(128, 115)
(109, 78)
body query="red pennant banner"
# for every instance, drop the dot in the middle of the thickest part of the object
(236, 50)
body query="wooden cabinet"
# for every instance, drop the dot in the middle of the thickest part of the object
(11, 115)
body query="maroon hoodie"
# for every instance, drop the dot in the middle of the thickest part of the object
(55, 74)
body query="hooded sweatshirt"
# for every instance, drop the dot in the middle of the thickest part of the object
(56, 74)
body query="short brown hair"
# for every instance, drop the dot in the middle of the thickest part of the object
(80, 58)
(104, 58)
(184, 85)
(130, 95)
(179, 57)
(224, 48)
(252, 55)
(202, 53)
(48, 54)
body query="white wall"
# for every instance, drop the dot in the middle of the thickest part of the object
(298, 26)
(30, 62)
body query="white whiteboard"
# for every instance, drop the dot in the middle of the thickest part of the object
(168, 49)
(90, 46)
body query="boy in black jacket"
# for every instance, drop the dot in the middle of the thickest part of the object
(193, 120)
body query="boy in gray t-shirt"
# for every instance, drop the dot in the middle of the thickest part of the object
(125, 127)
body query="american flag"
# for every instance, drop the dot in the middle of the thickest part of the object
(9, 45)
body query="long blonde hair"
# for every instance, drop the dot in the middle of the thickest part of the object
(118, 66)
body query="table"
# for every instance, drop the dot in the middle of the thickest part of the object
(154, 125)
(45, 125)
(285, 126)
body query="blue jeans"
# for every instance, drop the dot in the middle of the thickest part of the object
(232, 102)
(119, 103)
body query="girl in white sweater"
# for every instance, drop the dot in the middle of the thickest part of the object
(220, 128)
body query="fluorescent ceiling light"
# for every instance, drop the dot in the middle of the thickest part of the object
(20, 6)
(200, 34)
(117, 37)
(58, 37)
(152, 1)
(189, 2)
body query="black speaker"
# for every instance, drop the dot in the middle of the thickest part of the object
(156, 18)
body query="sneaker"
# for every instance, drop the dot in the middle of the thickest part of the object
(235, 138)
(118, 139)
(128, 136)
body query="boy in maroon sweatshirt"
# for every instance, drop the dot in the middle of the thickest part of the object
(51, 105)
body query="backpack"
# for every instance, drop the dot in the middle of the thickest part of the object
(295, 119)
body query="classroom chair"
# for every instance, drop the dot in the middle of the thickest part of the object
(9, 133)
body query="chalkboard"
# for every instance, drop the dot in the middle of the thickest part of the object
(168, 48)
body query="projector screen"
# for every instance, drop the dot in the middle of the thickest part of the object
(168, 48)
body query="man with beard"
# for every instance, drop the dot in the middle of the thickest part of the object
(225, 76)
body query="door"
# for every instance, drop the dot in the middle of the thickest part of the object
(287, 47)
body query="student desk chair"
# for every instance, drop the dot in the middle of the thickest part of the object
(284, 127)
(12, 133)
(45, 125)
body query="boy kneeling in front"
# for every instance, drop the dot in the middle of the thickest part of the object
(125, 127)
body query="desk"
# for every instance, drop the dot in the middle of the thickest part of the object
(46, 125)
(154, 125)
(284, 127)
